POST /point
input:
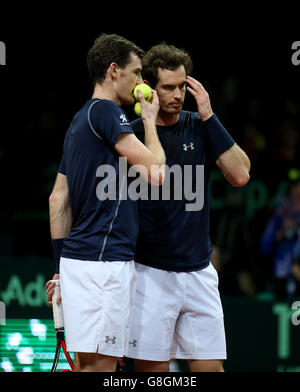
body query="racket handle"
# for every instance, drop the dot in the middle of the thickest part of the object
(57, 308)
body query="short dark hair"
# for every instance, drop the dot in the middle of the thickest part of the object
(166, 57)
(107, 49)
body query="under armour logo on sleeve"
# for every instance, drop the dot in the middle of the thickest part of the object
(187, 146)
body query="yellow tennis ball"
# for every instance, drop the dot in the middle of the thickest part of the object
(138, 109)
(145, 89)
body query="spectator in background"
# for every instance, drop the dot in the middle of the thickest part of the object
(281, 241)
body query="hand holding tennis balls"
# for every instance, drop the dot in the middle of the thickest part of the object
(147, 108)
(145, 90)
(147, 93)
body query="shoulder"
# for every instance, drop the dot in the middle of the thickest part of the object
(103, 103)
(191, 122)
(105, 109)
(190, 117)
(104, 106)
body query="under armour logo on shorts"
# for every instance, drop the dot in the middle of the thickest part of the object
(187, 146)
(134, 342)
(109, 339)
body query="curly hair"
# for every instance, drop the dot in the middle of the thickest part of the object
(166, 57)
(109, 48)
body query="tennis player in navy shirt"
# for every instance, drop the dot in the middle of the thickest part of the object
(94, 237)
(177, 310)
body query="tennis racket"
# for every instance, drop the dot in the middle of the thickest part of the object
(59, 328)
(60, 333)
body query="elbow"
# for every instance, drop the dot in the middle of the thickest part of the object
(157, 177)
(57, 200)
(240, 180)
(52, 199)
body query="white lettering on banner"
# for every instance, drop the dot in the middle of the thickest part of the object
(296, 55)
(2, 313)
(31, 294)
(2, 53)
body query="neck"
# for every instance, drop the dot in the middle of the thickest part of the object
(104, 91)
(166, 119)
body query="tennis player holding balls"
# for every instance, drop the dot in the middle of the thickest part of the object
(94, 241)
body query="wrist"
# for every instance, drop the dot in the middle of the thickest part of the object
(57, 246)
(149, 122)
(217, 135)
(207, 116)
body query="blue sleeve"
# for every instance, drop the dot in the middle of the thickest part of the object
(62, 166)
(108, 121)
(198, 125)
(219, 139)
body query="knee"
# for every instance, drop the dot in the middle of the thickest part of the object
(151, 366)
(217, 367)
(86, 362)
(206, 366)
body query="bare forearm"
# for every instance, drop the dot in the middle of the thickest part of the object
(238, 157)
(60, 216)
(235, 165)
(60, 225)
(152, 142)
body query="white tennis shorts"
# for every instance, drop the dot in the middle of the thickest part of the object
(97, 300)
(177, 315)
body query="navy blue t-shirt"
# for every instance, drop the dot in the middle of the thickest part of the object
(103, 230)
(172, 237)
